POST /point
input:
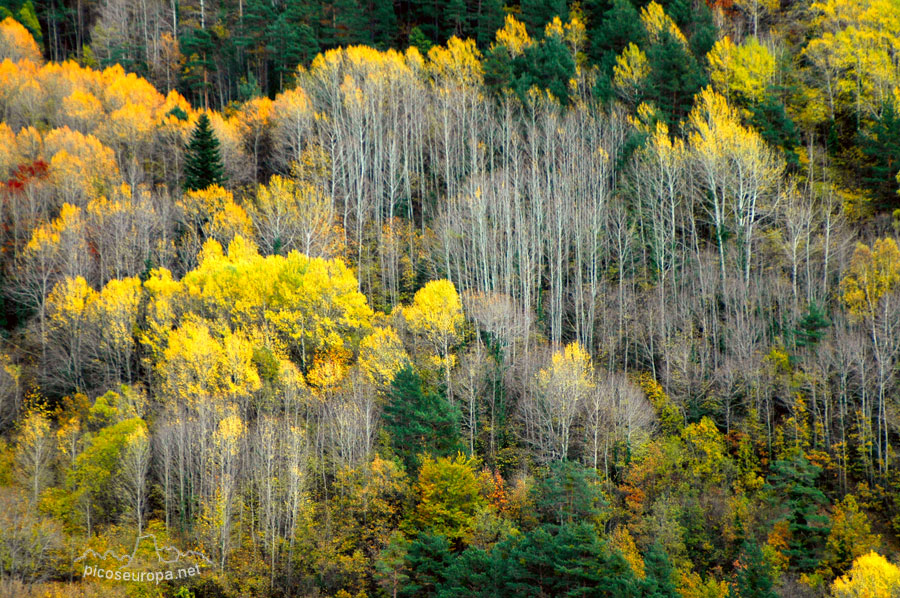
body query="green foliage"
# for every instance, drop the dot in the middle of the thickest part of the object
(754, 578)
(545, 65)
(28, 17)
(811, 327)
(612, 30)
(489, 20)
(569, 492)
(289, 38)
(880, 144)
(418, 39)
(203, 163)
(776, 127)
(850, 536)
(475, 572)
(93, 478)
(427, 562)
(658, 581)
(566, 560)
(675, 77)
(449, 497)
(792, 485)
(419, 421)
(537, 13)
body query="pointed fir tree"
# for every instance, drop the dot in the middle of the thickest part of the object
(792, 486)
(657, 581)
(419, 421)
(203, 164)
(811, 328)
(754, 574)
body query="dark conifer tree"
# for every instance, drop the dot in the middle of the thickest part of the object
(675, 77)
(657, 582)
(754, 575)
(793, 485)
(537, 13)
(419, 421)
(880, 143)
(203, 163)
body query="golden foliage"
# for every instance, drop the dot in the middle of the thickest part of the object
(873, 272)
(514, 36)
(745, 71)
(872, 576)
(16, 42)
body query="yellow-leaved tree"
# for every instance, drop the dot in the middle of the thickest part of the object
(513, 36)
(741, 72)
(289, 215)
(872, 576)
(630, 71)
(873, 273)
(212, 214)
(381, 356)
(852, 54)
(436, 316)
(866, 290)
(560, 391)
(16, 43)
(738, 171)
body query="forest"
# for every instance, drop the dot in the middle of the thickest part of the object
(382, 298)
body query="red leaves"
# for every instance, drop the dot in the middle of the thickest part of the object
(25, 173)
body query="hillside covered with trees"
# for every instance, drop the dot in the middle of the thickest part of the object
(446, 299)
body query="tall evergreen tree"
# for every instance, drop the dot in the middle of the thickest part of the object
(418, 421)
(203, 163)
(547, 65)
(657, 582)
(490, 19)
(880, 143)
(385, 21)
(568, 493)
(769, 117)
(537, 13)
(675, 77)
(793, 484)
(754, 575)
(428, 561)
(811, 327)
(611, 30)
(566, 560)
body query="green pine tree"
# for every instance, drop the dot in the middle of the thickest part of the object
(203, 164)
(565, 560)
(770, 118)
(489, 20)
(537, 13)
(476, 573)
(811, 327)
(658, 572)
(612, 30)
(880, 143)
(792, 485)
(419, 40)
(547, 65)
(675, 77)
(569, 492)
(754, 574)
(385, 21)
(427, 562)
(418, 421)
(455, 17)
